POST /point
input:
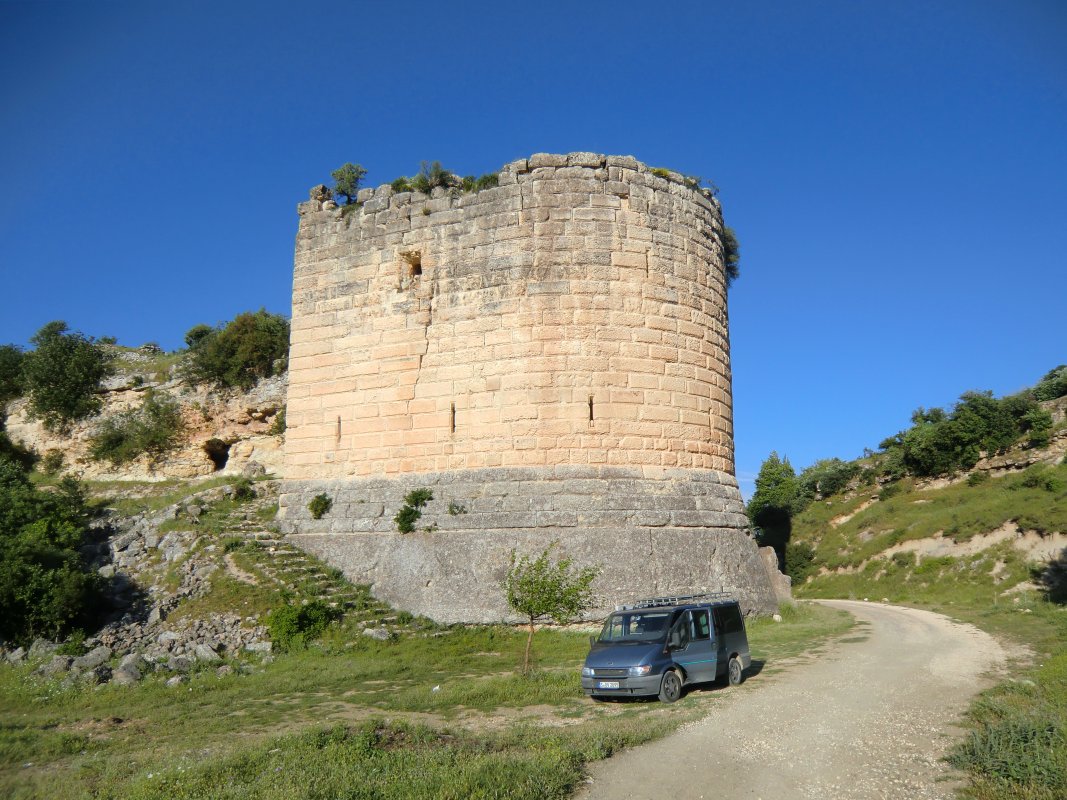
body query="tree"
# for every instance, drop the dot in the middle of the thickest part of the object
(251, 347)
(62, 375)
(347, 179)
(772, 505)
(539, 589)
(11, 384)
(822, 479)
(46, 589)
(196, 334)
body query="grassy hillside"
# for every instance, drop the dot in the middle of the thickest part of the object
(988, 546)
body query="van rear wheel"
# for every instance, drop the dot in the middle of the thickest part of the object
(671, 687)
(735, 672)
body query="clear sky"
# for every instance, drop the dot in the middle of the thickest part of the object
(896, 172)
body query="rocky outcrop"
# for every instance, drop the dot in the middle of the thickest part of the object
(227, 432)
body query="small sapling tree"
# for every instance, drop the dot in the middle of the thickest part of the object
(347, 179)
(540, 589)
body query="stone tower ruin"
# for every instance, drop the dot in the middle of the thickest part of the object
(549, 357)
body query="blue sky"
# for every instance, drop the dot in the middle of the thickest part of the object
(896, 172)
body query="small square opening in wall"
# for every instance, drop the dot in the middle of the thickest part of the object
(410, 268)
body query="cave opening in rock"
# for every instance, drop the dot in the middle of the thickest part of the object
(218, 451)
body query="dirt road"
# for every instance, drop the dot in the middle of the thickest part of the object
(868, 719)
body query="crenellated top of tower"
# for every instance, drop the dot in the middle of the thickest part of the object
(625, 170)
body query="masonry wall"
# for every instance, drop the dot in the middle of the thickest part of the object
(576, 314)
(550, 357)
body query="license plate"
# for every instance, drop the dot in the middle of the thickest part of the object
(607, 685)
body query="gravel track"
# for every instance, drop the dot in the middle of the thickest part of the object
(869, 718)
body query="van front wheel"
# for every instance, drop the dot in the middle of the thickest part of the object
(735, 672)
(671, 688)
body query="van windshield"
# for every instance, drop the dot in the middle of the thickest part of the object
(635, 626)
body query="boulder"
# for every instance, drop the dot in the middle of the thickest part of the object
(94, 658)
(204, 652)
(126, 676)
(57, 666)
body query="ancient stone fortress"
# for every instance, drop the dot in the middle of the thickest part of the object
(549, 357)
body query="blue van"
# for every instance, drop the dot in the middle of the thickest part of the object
(660, 645)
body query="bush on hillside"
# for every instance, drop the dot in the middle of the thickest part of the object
(153, 430)
(1037, 423)
(251, 347)
(824, 478)
(11, 382)
(939, 443)
(799, 561)
(46, 589)
(294, 627)
(1053, 385)
(62, 375)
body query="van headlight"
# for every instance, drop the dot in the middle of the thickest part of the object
(637, 672)
(587, 672)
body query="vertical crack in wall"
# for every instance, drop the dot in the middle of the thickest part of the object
(426, 325)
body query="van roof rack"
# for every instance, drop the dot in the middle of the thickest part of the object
(675, 599)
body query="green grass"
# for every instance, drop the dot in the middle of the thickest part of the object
(310, 723)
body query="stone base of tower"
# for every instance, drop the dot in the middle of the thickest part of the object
(652, 533)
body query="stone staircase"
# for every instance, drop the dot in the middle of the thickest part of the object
(294, 571)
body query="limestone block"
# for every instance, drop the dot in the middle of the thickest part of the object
(546, 160)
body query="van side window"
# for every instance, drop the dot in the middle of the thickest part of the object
(728, 620)
(679, 633)
(701, 626)
(731, 619)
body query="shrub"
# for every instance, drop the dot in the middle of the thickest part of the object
(320, 505)
(45, 587)
(799, 561)
(977, 478)
(1038, 477)
(1021, 751)
(277, 425)
(11, 383)
(197, 334)
(152, 430)
(1038, 424)
(890, 490)
(243, 490)
(486, 181)
(52, 462)
(1053, 385)
(824, 478)
(432, 176)
(347, 179)
(62, 375)
(731, 254)
(401, 184)
(251, 347)
(411, 511)
(292, 627)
